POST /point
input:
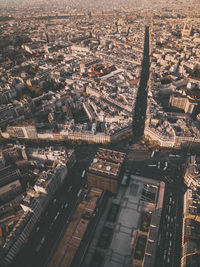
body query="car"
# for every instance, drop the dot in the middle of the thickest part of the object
(166, 165)
(54, 201)
(152, 154)
(152, 165)
(170, 243)
(69, 189)
(165, 253)
(66, 205)
(38, 247)
(37, 229)
(55, 218)
(124, 180)
(79, 193)
(159, 238)
(43, 239)
(158, 164)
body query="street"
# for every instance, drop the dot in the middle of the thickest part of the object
(53, 221)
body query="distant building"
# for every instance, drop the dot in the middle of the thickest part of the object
(182, 102)
(187, 30)
(24, 130)
(105, 170)
(89, 111)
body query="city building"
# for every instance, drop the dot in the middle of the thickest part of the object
(34, 202)
(23, 129)
(128, 231)
(187, 30)
(49, 182)
(8, 174)
(10, 191)
(191, 214)
(182, 102)
(17, 237)
(53, 154)
(190, 230)
(105, 171)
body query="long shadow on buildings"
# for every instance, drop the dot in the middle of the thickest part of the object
(141, 101)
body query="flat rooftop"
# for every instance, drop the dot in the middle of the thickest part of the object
(105, 168)
(110, 155)
(127, 233)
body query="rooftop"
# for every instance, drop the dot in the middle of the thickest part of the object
(130, 222)
(110, 155)
(10, 187)
(105, 168)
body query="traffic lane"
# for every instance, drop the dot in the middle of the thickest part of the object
(40, 229)
(67, 203)
(37, 237)
(40, 252)
(155, 173)
(51, 236)
(169, 230)
(59, 236)
(141, 168)
(49, 214)
(74, 179)
(67, 198)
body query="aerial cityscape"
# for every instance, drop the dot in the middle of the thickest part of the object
(100, 133)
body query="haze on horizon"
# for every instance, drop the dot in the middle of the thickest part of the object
(103, 4)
